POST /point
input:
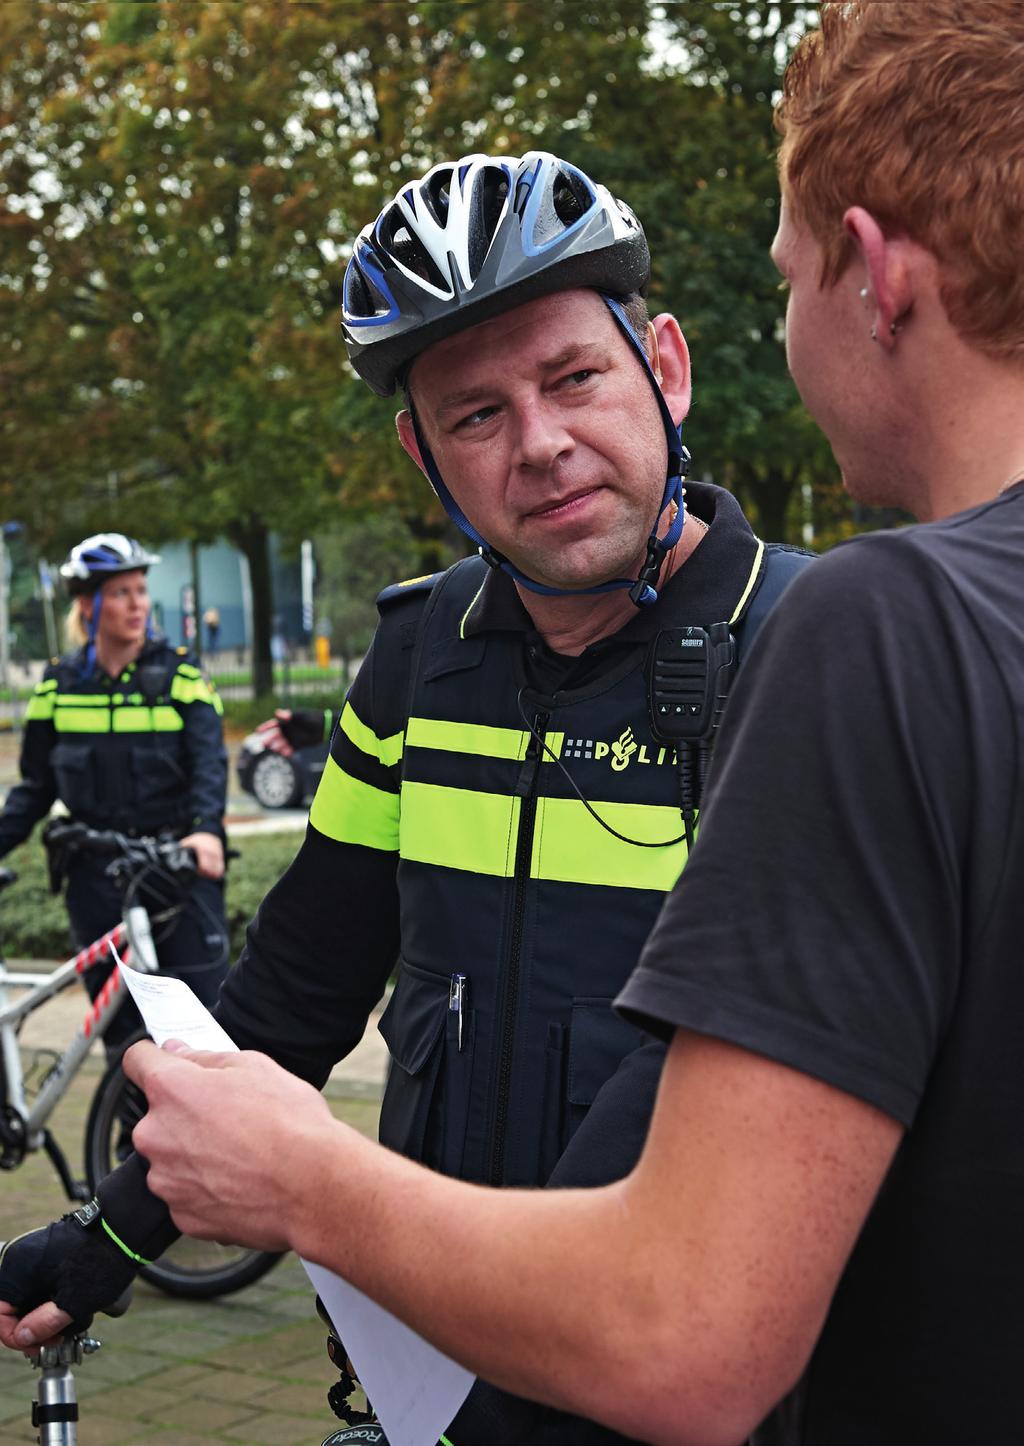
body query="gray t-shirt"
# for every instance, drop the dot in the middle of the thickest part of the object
(854, 908)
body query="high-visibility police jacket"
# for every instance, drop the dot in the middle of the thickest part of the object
(142, 753)
(445, 832)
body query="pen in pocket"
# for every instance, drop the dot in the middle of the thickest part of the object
(457, 1001)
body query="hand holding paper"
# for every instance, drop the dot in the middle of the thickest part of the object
(233, 1142)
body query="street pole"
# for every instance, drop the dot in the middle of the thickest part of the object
(5, 624)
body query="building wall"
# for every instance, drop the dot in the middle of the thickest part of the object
(223, 584)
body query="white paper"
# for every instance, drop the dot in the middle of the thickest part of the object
(416, 1391)
(172, 1011)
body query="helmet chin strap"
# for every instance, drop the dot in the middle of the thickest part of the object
(94, 622)
(643, 589)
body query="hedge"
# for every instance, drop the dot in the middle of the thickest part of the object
(34, 924)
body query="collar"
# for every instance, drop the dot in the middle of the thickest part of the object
(710, 583)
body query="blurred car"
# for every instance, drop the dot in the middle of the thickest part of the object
(276, 781)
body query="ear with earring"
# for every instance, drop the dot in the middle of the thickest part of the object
(865, 297)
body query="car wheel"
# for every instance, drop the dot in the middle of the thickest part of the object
(275, 781)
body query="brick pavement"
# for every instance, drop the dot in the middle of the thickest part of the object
(245, 1368)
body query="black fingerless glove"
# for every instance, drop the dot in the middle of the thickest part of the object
(75, 1265)
(305, 727)
(369, 1435)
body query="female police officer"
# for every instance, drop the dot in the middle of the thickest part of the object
(126, 732)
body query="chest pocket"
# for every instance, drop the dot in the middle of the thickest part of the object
(74, 767)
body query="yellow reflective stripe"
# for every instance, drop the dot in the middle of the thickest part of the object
(750, 582)
(161, 719)
(132, 720)
(386, 750)
(167, 719)
(479, 739)
(476, 738)
(346, 809)
(194, 690)
(83, 700)
(39, 709)
(82, 720)
(571, 846)
(460, 829)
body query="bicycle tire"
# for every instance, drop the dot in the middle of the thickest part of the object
(196, 1269)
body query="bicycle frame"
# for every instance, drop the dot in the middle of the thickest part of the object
(133, 938)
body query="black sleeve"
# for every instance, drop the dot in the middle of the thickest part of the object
(324, 941)
(201, 712)
(316, 959)
(817, 921)
(32, 798)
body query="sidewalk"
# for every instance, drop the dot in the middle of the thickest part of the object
(250, 1367)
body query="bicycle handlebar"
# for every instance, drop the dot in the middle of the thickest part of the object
(67, 836)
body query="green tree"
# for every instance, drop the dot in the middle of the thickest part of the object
(179, 185)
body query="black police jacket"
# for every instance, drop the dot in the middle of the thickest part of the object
(142, 753)
(445, 835)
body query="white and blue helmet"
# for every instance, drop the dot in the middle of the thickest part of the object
(89, 564)
(476, 237)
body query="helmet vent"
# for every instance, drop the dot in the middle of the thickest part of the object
(435, 192)
(395, 237)
(489, 196)
(359, 299)
(571, 197)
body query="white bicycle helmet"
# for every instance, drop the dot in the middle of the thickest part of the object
(473, 238)
(92, 561)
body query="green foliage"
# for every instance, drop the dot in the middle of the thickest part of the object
(179, 186)
(34, 924)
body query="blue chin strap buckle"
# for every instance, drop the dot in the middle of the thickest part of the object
(643, 590)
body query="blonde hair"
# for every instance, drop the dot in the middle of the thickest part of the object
(76, 632)
(915, 111)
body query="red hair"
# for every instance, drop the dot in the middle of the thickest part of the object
(915, 111)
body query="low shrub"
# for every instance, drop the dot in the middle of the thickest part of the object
(34, 924)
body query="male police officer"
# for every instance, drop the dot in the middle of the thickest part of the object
(502, 806)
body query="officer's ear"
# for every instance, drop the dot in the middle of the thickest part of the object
(407, 437)
(86, 602)
(670, 360)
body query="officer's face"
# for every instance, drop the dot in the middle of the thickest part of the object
(125, 609)
(545, 429)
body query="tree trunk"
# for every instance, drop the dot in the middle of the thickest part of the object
(772, 492)
(252, 539)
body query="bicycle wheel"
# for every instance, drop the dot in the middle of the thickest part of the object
(199, 1269)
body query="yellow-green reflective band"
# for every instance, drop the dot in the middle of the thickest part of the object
(479, 739)
(571, 846)
(161, 719)
(46, 685)
(476, 738)
(457, 828)
(386, 750)
(139, 1259)
(750, 582)
(167, 719)
(353, 812)
(83, 700)
(460, 829)
(82, 720)
(194, 690)
(39, 709)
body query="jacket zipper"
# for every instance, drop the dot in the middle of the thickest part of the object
(527, 790)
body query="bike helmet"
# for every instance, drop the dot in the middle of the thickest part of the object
(90, 563)
(476, 237)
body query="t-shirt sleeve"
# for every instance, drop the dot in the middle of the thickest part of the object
(818, 921)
